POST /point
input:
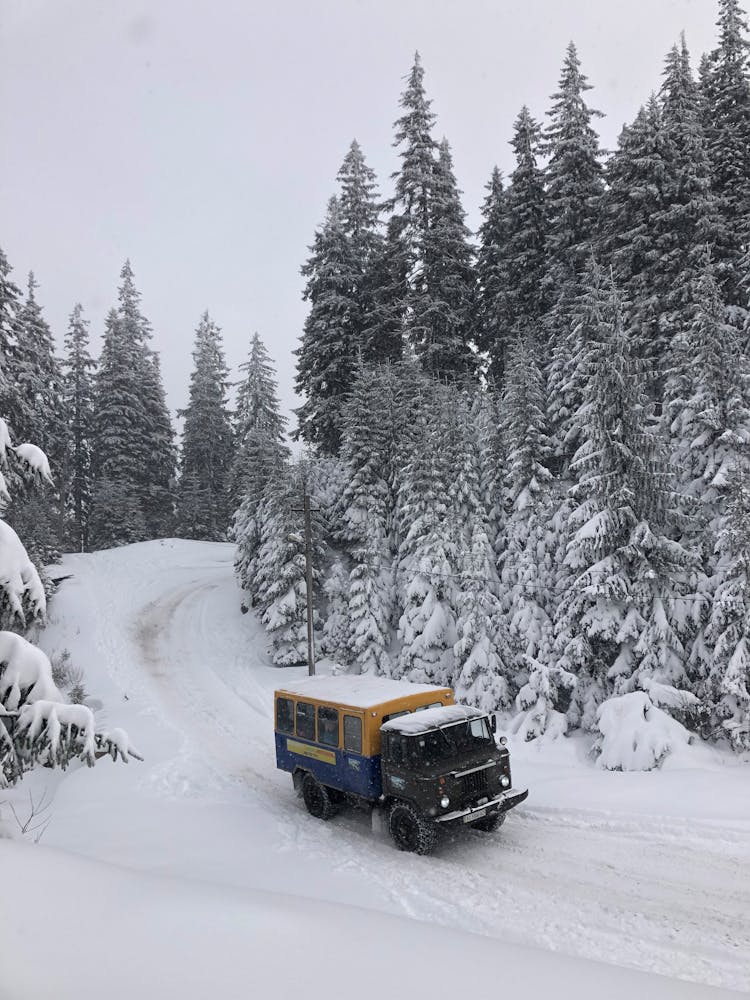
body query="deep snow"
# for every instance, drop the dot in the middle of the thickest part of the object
(200, 871)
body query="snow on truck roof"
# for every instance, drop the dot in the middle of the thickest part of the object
(358, 691)
(422, 722)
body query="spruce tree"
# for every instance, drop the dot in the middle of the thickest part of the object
(328, 350)
(260, 455)
(480, 650)
(429, 241)
(427, 557)
(526, 241)
(259, 427)
(574, 178)
(707, 406)
(529, 549)
(371, 428)
(729, 628)
(207, 441)
(492, 279)
(134, 459)
(278, 585)
(725, 107)
(617, 626)
(9, 306)
(574, 190)
(38, 418)
(688, 220)
(630, 243)
(78, 369)
(441, 321)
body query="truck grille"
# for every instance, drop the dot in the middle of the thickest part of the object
(474, 785)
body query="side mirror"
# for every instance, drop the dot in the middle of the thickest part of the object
(493, 722)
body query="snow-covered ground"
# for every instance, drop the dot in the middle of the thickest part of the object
(199, 873)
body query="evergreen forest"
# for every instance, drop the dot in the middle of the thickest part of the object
(527, 448)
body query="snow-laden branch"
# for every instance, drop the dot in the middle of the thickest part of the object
(19, 578)
(33, 456)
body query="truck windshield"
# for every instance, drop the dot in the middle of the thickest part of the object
(449, 742)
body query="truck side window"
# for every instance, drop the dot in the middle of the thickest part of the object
(396, 750)
(285, 715)
(353, 733)
(305, 720)
(328, 726)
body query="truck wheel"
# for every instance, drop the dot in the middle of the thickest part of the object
(410, 830)
(488, 824)
(317, 799)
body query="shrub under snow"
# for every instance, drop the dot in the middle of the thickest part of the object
(633, 734)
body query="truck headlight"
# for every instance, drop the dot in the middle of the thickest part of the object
(445, 802)
(505, 781)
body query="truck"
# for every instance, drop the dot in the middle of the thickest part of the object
(405, 748)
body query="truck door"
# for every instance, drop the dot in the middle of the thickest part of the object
(359, 770)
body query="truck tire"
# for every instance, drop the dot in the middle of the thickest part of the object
(316, 797)
(410, 830)
(488, 824)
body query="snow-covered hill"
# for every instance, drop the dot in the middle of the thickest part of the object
(199, 872)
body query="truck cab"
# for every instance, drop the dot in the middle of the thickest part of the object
(445, 766)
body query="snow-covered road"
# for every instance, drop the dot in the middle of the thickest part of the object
(646, 871)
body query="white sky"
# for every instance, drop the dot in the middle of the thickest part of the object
(201, 138)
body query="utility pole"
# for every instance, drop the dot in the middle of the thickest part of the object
(309, 578)
(306, 510)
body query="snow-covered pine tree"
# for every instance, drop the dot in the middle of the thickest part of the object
(688, 220)
(617, 626)
(9, 306)
(134, 458)
(441, 321)
(427, 564)
(260, 455)
(480, 650)
(386, 286)
(38, 417)
(333, 639)
(574, 188)
(528, 222)
(372, 428)
(328, 350)
(492, 279)
(636, 179)
(78, 368)
(207, 441)
(529, 549)
(360, 216)
(348, 275)
(259, 426)
(159, 476)
(707, 406)
(725, 114)
(278, 583)
(707, 423)
(729, 628)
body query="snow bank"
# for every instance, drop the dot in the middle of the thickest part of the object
(150, 936)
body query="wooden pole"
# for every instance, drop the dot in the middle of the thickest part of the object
(309, 581)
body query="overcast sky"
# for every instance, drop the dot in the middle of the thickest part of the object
(201, 138)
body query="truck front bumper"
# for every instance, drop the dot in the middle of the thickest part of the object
(501, 803)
